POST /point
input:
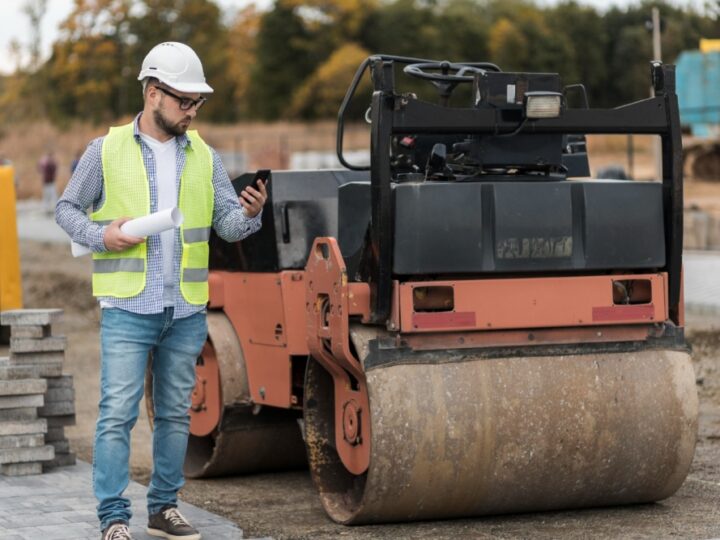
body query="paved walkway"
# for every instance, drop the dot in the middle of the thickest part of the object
(60, 505)
(34, 223)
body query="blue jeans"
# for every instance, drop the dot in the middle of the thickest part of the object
(126, 341)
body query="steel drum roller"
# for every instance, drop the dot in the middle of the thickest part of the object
(492, 436)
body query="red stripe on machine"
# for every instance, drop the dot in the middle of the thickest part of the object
(444, 319)
(623, 313)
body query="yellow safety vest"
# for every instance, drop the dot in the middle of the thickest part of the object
(127, 194)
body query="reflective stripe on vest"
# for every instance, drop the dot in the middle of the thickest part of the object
(195, 274)
(196, 200)
(201, 234)
(105, 266)
(127, 193)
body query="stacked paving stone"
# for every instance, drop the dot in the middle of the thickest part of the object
(22, 433)
(59, 411)
(35, 364)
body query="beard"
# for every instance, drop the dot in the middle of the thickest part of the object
(177, 129)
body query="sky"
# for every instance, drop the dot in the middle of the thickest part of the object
(14, 24)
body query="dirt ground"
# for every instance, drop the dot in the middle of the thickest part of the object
(286, 506)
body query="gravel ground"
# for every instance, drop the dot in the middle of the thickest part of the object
(286, 506)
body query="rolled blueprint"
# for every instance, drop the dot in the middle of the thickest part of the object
(142, 227)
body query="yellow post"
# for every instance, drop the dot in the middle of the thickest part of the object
(10, 286)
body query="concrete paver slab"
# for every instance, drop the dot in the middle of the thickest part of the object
(59, 505)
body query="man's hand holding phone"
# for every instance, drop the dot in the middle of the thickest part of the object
(253, 199)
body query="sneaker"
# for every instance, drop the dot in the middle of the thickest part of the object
(169, 523)
(117, 531)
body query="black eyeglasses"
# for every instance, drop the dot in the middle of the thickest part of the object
(184, 102)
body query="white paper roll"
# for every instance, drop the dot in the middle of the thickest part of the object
(153, 223)
(142, 227)
(78, 250)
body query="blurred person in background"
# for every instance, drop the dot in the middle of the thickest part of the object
(47, 166)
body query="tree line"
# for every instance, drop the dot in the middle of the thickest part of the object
(295, 60)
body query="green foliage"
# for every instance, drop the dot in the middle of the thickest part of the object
(285, 56)
(321, 94)
(584, 30)
(198, 23)
(406, 28)
(509, 48)
(295, 39)
(94, 65)
(297, 58)
(242, 42)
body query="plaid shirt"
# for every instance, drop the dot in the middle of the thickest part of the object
(85, 189)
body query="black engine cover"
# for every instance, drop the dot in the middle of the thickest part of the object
(449, 228)
(490, 227)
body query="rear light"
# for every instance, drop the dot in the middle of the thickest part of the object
(632, 291)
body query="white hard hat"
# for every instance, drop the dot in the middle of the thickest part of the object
(176, 65)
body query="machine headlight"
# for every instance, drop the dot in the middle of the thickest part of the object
(543, 104)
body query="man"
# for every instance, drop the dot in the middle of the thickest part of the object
(47, 166)
(153, 291)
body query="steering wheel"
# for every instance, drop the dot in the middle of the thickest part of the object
(445, 76)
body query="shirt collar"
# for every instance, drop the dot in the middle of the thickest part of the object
(182, 140)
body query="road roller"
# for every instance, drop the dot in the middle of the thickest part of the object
(470, 324)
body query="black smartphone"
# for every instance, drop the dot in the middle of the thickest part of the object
(261, 174)
(244, 181)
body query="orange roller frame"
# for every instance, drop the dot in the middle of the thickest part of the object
(570, 301)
